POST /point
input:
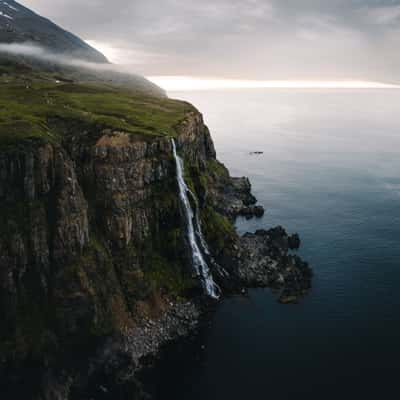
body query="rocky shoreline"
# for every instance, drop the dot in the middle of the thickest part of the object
(265, 262)
(262, 260)
(235, 199)
(120, 360)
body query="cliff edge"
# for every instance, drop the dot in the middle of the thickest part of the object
(114, 212)
(93, 238)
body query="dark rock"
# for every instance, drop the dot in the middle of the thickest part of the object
(288, 299)
(234, 198)
(294, 241)
(252, 211)
(264, 262)
(259, 211)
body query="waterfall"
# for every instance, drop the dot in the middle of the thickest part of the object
(194, 233)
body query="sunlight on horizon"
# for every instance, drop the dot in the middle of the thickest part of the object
(182, 83)
(186, 83)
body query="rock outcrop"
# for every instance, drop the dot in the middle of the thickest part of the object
(265, 262)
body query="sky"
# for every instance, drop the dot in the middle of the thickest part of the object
(240, 39)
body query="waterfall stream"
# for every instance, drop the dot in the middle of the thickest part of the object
(194, 233)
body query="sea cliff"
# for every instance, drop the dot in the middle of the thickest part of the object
(95, 266)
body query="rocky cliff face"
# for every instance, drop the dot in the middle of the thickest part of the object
(93, 244)
(95, 267)
(91, 230)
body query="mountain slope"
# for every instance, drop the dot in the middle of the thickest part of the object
(18, 24)
(39, 49)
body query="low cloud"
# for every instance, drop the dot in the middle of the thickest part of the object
(385, 16)
(31, 50)
(245, 39)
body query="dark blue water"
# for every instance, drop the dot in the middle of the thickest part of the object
(330, 171)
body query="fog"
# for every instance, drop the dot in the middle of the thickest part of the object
(241, 39)
(34, 51)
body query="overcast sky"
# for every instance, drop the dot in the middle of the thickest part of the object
(247, 39)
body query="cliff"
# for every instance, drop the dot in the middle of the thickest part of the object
(97, 263)
(92, 234)
(96, 271)
(89, 227)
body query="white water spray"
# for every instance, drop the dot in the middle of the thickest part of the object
(195, 235)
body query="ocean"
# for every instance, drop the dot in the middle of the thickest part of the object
(330, 170)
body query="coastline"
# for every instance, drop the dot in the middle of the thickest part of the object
(115, 288)
(266, 263)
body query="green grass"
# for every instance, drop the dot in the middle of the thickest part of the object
(162, 274)
(29, 107)
(218, 230)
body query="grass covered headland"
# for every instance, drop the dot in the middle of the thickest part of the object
(31, 107)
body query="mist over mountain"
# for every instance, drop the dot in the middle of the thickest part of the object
(28, 40)
(241, 39)
(18, 24)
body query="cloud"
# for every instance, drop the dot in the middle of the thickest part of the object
(120, 53)
(383, 15)
(181, 83)
(32, 50)
(248, 39)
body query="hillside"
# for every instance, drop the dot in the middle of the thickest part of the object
(38, 109)
(32, 47)
(18, 24)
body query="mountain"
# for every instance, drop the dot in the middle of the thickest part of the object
(18, 24)
(45, 49)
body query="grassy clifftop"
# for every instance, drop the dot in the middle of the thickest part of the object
(29, 106)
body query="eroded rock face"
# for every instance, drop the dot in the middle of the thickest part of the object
(89, 228)
(195, 140)
(125, 176)
(230, 196)
(93, 240)
(265, 261)
(44, 224)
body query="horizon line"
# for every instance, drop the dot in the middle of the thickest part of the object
(185, 83)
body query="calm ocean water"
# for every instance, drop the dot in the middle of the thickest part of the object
(331, 172)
